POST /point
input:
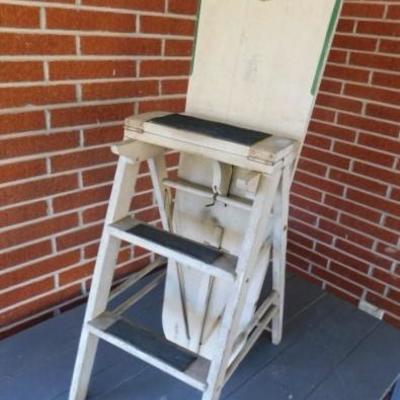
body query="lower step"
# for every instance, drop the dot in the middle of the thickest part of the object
(152, 348)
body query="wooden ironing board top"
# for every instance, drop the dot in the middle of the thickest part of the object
(216, 140)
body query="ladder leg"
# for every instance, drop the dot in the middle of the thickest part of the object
(119, 204)
(252, 243)
(279, 252)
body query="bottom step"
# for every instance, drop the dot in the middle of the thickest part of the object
(151, 348)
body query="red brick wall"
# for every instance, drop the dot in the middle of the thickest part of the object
(70, 72)
(68, 79)
(345, 213)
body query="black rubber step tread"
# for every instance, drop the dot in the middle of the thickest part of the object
(151, 343)
(217, 130)
(207, 254)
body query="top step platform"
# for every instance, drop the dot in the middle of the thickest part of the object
(188, 133)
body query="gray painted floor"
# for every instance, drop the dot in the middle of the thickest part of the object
(330, 351)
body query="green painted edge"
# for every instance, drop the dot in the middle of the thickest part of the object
(325, 48)
(196, 33)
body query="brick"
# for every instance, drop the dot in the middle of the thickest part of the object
(347, 73)
(21, 71)
(40, 304)
(389, 251)
(38, 144)
(384, 79)
(79, 237)
(39, 188)
(350, 298)
(94, 214)
(302, 215)
(115, 90)
(386, 277)
(37, 230)
(392, 223)
(358, 278)
(297, 261)
(310, 231)
(25, 213)
(332, 131)
(120, 45)
(25, 292)
(86, 115)
(77, 273)
(81, 198)
(339, 103)
(361, 10)
(372, 93)
(317, 141)
(21, 170)
(180, 48)
(368, 124)
(82, 159)
(81, 20)
(174, 86)
(337, 56)
(164, 68)
(36, 95)
(375, 61)
(300, 240)
(183, 6)
(390, 46)
(374, 201)
(345, 25)
(362, 153)
(149, 215)
(362, 253)
(337, 280)
(166, 25)
(132, 267)
(306, 191)
(103, 135)
(323, 114)
(40, 268)
(18, 16)
(91, 250)
(312, 167)
(342, 258)
(61, 70)
(22, 122)
(384, 303)
(145, 5)
(354, 43)
(326, 157)
(393, 11)
(331, 86)
(379, 143)
(141, 201)
(316, 208)
(378, 28)
(36, 44)
(341, 231)
(372, 230)
(27, 253)
(389, 113)
(357, 181)
(172, 105)
(352, 208)
(98, 175)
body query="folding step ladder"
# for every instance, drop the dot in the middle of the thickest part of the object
(247, 112)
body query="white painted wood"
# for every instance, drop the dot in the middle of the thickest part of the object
(97, 328)
(255, 63)
(223, 267)
(281, 210)
(252, 243)
(102, 278)
(136, 151)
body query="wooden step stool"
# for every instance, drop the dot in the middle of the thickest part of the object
(239, 142)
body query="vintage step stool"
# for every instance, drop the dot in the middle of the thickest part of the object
(253, 87)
